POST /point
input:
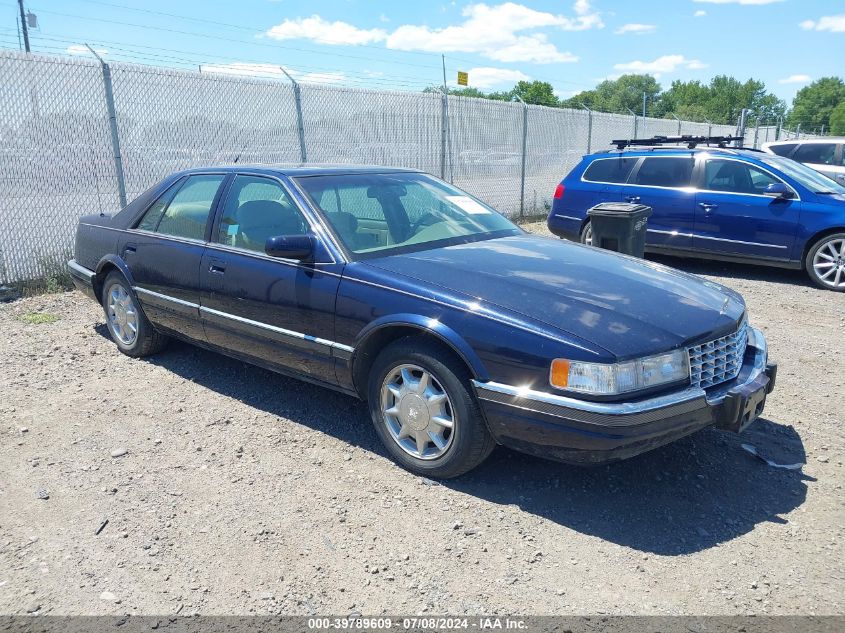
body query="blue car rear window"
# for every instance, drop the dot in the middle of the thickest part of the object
(613, 170)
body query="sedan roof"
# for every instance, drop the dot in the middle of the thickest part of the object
(294, 170)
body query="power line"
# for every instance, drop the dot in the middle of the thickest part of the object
(235, 40)
(192, 60)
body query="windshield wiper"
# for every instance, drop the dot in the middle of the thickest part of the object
(827, 193)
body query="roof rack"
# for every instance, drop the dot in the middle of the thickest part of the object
(689, 140)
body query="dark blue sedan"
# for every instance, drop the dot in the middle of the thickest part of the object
(459, 329)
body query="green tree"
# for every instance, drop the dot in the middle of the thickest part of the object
(616, 95)
(536, 92)
(837, 120)
(814, 104)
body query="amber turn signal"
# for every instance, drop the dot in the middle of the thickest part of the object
(559, 376)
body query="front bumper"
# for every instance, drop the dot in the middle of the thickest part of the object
(585, 432)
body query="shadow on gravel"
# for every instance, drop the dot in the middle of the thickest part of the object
(734, 270)
(688, 496)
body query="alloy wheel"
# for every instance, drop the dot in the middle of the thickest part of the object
(829, 263)
(417, 412)
(122, 315)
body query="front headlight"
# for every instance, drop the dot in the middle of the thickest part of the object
(602, 379)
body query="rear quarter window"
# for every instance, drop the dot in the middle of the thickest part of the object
(784, 149)
(612, 170)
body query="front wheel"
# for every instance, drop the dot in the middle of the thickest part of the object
(424, 411)
(825, 262)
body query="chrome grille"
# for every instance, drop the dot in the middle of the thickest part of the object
(719, 360)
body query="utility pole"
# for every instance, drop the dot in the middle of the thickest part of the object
(644, 98)
(24, 27)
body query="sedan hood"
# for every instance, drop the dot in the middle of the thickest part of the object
(627, 306)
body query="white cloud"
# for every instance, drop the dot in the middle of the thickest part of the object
(244, 69)
(496, 32)
(699, 14)
(507, 32)
(81, 49)
(832, 23)
(322, 31)
(638, 29)
(486, 77)
(664, 64)
(795, 79)
(738, 1)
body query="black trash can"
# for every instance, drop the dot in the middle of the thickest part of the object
(620, 226)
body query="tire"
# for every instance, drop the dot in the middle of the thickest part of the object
(123, 312)
(458, 448)
(825, 262)
(586, 236)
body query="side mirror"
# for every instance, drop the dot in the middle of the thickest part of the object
(298, 247)
(779, 190)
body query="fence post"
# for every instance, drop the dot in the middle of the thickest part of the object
(589, 127)
(674, 116)
(779, 128)
(740, 127)
(297, 97)
(524, 144)
(115, 140)
(757, 132)
(709, 127)
(444, 114)
(634, 114)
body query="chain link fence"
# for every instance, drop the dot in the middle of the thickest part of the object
(62, 155)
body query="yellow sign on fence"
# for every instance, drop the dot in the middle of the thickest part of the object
(463, 78)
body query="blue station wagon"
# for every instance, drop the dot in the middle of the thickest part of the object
(459, 329)
(716, 203)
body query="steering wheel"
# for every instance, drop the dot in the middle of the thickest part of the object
(426, 219)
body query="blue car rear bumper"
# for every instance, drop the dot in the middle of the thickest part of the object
(584, 432)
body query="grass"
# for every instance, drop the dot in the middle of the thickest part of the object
(38, 318)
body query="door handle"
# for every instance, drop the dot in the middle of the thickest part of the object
(632, 199)
(130, 248)
(707, 206)
(217, 269)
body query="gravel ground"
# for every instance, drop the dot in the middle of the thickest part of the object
(231, 490)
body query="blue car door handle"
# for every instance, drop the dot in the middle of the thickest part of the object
(632, 199)
(708, 207)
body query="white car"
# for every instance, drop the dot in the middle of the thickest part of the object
(825, 155)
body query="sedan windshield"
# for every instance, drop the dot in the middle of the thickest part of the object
(379, 214)
(810, 178)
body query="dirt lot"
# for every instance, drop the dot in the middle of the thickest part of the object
(245, 492)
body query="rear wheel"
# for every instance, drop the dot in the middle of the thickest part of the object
(825, 262)
(129, 327)
(587, 234)
(424, 411)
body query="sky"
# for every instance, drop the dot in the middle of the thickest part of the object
(572, 44)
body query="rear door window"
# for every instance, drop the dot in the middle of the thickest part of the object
(816, 153)
(610, 170)
(665, 171)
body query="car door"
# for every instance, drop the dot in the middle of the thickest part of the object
(275, 311)
(164, 249)
(733, 215)
(663, 183)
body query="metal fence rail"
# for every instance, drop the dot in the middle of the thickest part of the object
(77, 135)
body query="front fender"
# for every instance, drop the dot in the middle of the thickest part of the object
(430, 326)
